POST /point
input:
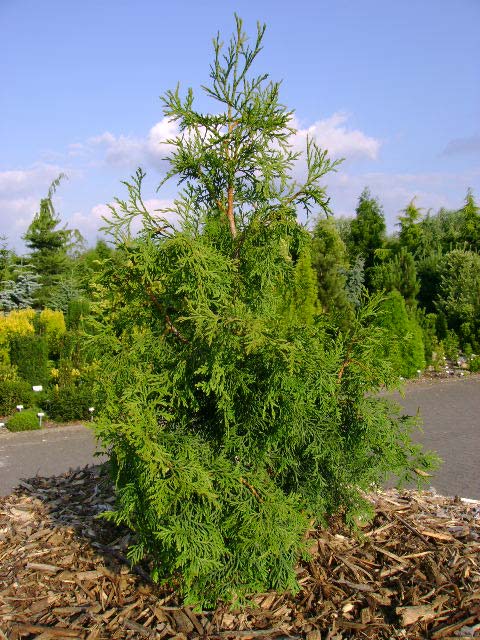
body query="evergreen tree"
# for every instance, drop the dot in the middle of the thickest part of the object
(471, 223)
(234, 418)
(355, 285)
(305, 292)
(49, 246)
(406, 351)
(459, 296)
(442, 232)
(398, 273)
(411, 236)
(429, 272)
(367, 231)
(6, 259)
(19, 292)
(330, 261)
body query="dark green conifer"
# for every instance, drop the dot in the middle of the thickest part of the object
(367, 231)
(458, 298)
(471, 223)
(49, 246)
(411, 232)
(398, 272)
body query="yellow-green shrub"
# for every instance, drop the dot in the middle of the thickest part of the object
(15, 323)
(52, 326)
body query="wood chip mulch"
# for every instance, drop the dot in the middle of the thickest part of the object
(413, 573)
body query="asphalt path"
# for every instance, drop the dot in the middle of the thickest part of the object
(46, 452)
(450, 410)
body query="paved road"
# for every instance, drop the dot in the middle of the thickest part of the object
(47, 452)
(451, 426)
(450, 408)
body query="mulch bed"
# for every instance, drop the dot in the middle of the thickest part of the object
(413, 573)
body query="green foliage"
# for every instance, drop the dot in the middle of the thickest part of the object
(459, 295)
(20, 290)
(67, 290)
(441, 233)
(427, 322)
(451, 345)
(52, 325)
(406, 351)
(15, 323)
(26, 420)
(304, 299)
(49, 246)
(234, 417)
(367, 230)
(354, 287)
(73, 390)
(14, 392)
(429, 271)
(6, 259)
(474, 364)
(398, 273)
(330, 261)
(471, 223)
(69, 402)
(29, 353)
(78, 310)
(8, 372)
(411, 232)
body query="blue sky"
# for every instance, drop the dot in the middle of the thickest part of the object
(394, 87)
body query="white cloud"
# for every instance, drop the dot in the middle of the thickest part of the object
(340, 141)
(37, 176)
(20, 194)
(16, 214)
(132, 151)
(330, 133)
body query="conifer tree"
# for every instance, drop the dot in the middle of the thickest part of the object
(48, 245)
(398, 273)
(19, 292)
(406, 352)
(367, 230)
(471, 223)
(330, 260)
(6, 259)
(233, 417)
(410, 235)
(459, 295)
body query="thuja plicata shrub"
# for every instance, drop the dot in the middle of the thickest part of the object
(235, 414)
(26, 420)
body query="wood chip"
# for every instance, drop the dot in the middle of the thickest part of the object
(414, 572)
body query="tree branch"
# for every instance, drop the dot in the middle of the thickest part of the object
(172, 328)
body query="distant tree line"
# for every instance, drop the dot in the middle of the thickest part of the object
(428, 271)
